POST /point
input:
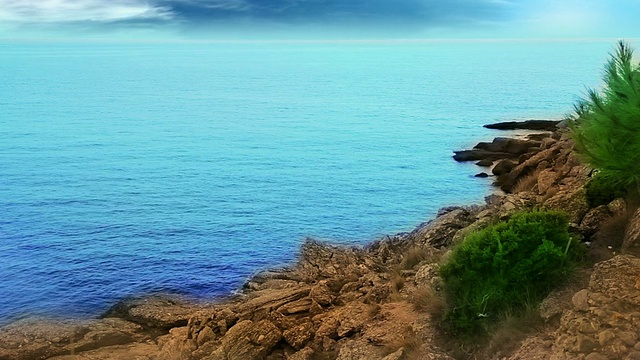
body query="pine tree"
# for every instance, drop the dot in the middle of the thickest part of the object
(606, 130)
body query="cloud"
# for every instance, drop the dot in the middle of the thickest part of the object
(69, 11)
(427, 11)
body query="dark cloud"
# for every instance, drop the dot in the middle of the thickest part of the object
(436, 12)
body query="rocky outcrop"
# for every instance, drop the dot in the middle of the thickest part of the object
(538, 125)
(369, 302)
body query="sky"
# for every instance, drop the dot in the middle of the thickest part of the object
(319, 19)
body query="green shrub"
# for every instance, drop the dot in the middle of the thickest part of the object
(602, 190)
(606, 130)
(506, 267)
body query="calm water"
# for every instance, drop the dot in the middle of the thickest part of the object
(129, 169)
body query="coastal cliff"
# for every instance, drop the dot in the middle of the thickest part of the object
(382, 301)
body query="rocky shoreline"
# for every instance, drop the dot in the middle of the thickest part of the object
(379, 301)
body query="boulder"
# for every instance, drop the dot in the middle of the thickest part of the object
(485, 162)
(153, 312)
(546, 179)
(571, 201)
(321, 294)
(439, 232)
(249, 340)
(503, 167)
(593, 219)
(299, 335)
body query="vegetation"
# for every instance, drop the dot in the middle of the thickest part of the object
(602, 190)
(606, 130)
(505, 268)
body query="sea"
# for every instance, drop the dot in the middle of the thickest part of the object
(182, 168)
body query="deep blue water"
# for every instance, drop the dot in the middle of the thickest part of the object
(131, 169)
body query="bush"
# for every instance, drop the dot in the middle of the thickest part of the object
(506, 267)
(602, 190)
(606, 130)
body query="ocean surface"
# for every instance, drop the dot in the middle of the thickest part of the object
(130, 169)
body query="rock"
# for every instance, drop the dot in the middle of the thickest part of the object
(606, 337)
(634, 355)
(509, 180)
(328, 328)
(250, 341)
(352, 318)
(546, 179)
(153, 312)
(629, 338)
(514, 147)
(176, 344)
(580, 300)
(573, 202)
(632, 232)
(485, 162)
(593, 219)
(304, 354)
(298, 336)
(554, 304)
(542, 125)
(471, 155)
(618, 278)
(358, 350)
(503, 167)
(617, 206)
(596, 356)
(294, 307)
(428, 275)
(481, 175)
(261, 303)
(40, 339)
(585, 344)
(396, 355)
(321, 294)
(205, 335)
(439, 232)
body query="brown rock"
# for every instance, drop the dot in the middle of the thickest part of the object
(634, 355)
(261, 303)
(606, 337)
(593, 219)
(328, 328)
(321, 294)
(618, 279)
(205, 335)
(250, 341)
(629, 338)
(573, 202)
(153, 312)
(546, 179)
(396, 355)
(596, 356)
(298, 336)
(580, 300)
(294, 307)
(585, 344)
(440, 231)
(304, 354)
(485, 162)
(352, 318)
(503, 167)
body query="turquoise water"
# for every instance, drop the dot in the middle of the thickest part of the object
(132, 169)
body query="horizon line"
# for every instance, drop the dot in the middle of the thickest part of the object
(315, 41)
